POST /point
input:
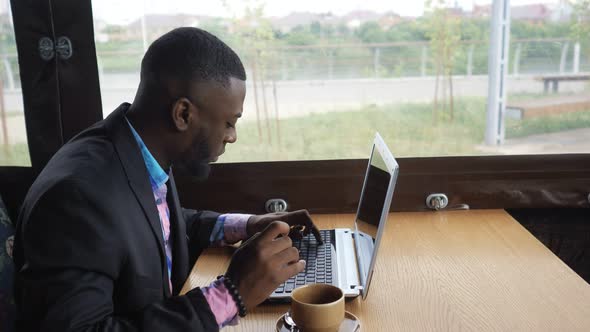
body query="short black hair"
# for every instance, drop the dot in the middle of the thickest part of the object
(190, 55)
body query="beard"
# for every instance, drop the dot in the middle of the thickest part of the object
(197, 162)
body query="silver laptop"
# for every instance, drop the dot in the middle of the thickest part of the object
(347, 257)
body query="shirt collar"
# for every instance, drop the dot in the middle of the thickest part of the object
(157, 174)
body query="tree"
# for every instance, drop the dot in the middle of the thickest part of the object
(580, 26)
(300, 35)
(253, 32)
(371, 32)
(444, 31)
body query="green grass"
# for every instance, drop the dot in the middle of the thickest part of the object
(547, 124)
(120, 64)
(409, 129)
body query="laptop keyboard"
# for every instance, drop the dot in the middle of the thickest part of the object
(319, 262)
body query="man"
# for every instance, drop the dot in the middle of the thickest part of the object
(102, 243)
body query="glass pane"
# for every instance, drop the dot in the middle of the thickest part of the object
(324, 76)
(548, 106)
(14, 150)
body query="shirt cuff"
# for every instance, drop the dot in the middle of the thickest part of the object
(221, 302)
(234, 227)
(217, 235)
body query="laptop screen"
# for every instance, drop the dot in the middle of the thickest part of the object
(373, 209)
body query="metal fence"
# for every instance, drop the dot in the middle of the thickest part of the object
(363, 61)
(386, 60)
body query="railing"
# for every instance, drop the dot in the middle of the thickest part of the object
(385, 60)
(364, 61)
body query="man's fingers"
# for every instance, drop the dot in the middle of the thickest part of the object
(310, 226)
(281, 243)
(302, 218)
(274, 238)
(296, 233)
(297, 219)
(252, 238)
(316, 233)
(274, 230)
(294, 268)
(296, 229)
(288, 256)
(299, 214)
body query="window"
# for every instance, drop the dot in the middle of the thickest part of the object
(14, 150)
(324, 76)
(548, 106)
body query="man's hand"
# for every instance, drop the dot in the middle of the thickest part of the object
(299, 221)
(263, 262)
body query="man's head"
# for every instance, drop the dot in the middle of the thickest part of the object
(190, 97)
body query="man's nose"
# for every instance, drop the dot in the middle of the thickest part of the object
(231, 138)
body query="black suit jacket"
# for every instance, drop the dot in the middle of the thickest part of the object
(89, 249)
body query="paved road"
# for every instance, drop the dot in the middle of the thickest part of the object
(297, 98)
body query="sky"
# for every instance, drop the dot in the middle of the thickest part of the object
(125, 11)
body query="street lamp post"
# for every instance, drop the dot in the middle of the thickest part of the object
(497, 70)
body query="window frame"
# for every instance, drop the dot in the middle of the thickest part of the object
(61, 96)
(334, 186)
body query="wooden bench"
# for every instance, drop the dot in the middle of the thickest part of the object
(548, 106)
(555, 79)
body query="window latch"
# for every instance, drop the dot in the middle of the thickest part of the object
(63, 48)
(48, 49)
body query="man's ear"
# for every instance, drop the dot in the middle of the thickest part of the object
(184, 113)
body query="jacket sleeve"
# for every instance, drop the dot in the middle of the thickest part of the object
(199, 226)
(69, 261)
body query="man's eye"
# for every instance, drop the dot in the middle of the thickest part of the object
(229, 125)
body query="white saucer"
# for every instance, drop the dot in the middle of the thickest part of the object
(350, 324)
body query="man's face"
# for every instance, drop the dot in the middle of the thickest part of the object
(219, 109)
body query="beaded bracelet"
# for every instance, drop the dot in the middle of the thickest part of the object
(231, 287)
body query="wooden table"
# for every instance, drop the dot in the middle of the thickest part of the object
(448, 271)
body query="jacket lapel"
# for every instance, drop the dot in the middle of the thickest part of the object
(138, 177)
(180, 268)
